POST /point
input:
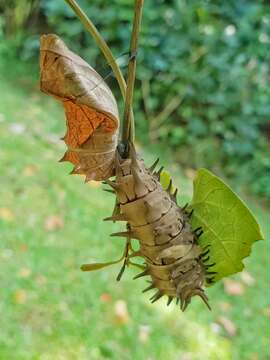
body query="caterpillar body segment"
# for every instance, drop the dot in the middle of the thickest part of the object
(173, 258)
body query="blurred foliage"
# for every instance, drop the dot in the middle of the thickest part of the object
(203, 74)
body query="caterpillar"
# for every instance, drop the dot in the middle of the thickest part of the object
(175, 262)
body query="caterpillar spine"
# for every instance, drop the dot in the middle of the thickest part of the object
(173, 259)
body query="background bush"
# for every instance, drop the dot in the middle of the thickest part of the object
(203, 73)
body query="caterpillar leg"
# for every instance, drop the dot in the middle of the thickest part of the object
(128, 254)
(126, 257)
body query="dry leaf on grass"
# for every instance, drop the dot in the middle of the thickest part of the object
(104, 298)
(121, 312)
(233, 287)
(53, 222)
(227, 325)
(24, 273)
(90, 108)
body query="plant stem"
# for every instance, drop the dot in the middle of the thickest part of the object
(90, 27)
(100, 42)
(128, 131)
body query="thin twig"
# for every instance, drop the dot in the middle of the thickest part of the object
(90, 27)
(100, 42)
(128, 131)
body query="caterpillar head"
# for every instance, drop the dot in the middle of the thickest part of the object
(187, 293)
(189, 277)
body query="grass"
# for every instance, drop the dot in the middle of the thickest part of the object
(50, 224)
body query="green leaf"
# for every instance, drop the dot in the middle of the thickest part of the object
(228, 225)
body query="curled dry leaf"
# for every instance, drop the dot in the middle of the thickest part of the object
(90, 108)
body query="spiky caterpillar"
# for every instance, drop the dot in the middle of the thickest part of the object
(174, 260)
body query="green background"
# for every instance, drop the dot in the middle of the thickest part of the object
(206, 64)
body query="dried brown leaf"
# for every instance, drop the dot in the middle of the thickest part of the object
(53, 222)
(90, 108)
(227, 325)
(104, 298)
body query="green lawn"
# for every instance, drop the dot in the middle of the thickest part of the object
(51, 223)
